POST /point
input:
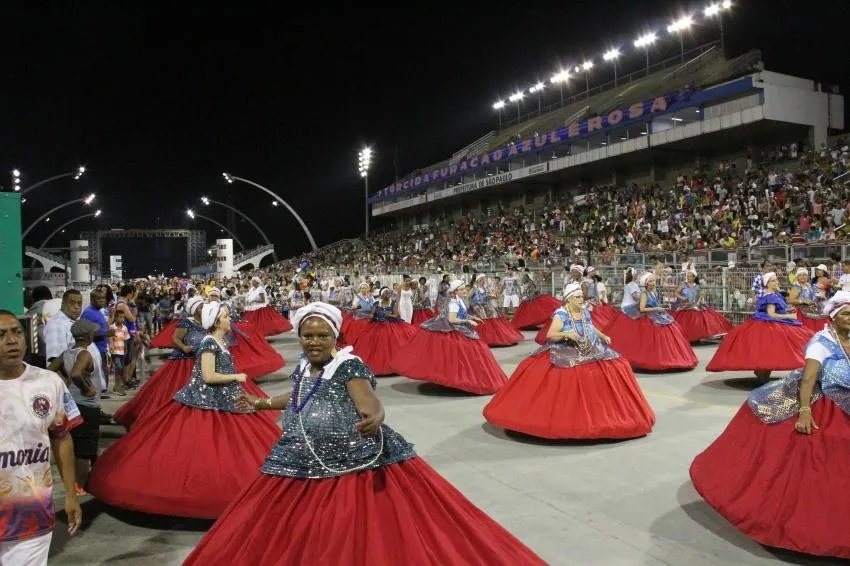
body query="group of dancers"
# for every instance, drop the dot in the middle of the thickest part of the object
(203, 439)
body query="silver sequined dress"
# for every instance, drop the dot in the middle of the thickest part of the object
(193, 337)
(322, 441)
(202, 395)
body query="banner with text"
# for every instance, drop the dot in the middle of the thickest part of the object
(616, 118)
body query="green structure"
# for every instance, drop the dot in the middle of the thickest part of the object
(11, 256)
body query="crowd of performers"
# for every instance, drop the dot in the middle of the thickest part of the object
(205, 441)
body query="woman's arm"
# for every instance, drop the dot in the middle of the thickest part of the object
(678, 292)
(805, 423)
(644, 308)
(211, 376)
(368, 406)
(794, 296)
(277, 403)
(177, 340)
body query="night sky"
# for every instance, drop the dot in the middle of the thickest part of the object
(158, 100)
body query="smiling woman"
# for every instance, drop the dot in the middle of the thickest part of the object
(336, 454)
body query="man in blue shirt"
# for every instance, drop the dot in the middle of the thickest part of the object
(101, 340)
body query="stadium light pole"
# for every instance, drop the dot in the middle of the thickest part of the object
(207, 202)
(497, 106)
(716, 11)
(231, 178)
(644, 42)
(192, 214)
(586, 67)
(680, 26)
(612, 55)
(537, 89)
(516, 98)
(76, 174)
(86, 200)
(560, 78)
(364, 160)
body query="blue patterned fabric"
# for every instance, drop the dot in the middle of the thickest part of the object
(781, 308)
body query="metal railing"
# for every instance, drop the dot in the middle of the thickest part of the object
(243, 255)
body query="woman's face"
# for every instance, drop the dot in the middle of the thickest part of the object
(575, 300)
(386, 294)
(317, 340)
(255, 284)
(650, 284)
(224, 320)
(691, 278)
(802, 277)
(772, 285)
(841, 322)
(462, 291)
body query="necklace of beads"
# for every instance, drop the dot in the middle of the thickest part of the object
(583, 344)
(297, 407)
(307, 440)
(841, 344)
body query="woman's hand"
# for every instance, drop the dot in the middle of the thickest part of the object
(572, 335)
(805, 423)
(240, 377)
(472, 322)
(604, 338)
(245, 402)
(370, 423)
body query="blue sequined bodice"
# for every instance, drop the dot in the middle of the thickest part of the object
(479, 296)
(193, 337)
(381, 312)
(461, 312)
(590, 287)
(690, 293)
(322, 440)
(780, 399)
(590, 348)
(570, 324)
(364, 304)
(202, 395)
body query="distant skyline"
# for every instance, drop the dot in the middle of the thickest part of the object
(158, 99)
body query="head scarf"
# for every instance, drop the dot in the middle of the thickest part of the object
(767, 277)
(644, 279)
(255, 279)
(590, 270)
(210, 315)
(572, 289)
(837, 308)
(693, 272)
(455, 285)
(802, 271)
(823, 268)
(480, 277)
(192, 305)
(214, 291)
(577, 267)
(325, 311)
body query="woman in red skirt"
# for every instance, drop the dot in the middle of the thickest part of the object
(574, 387)
(260, 313)
(779, 471)
(422, 310)
(493, 328)
(536, 308)
(602, 313)
(772, 340)
(172, 375)
(808, 300)
(384, 336)
(448, 352)
(361, 314)
(193, 455)
(698, 321)
(647, 335)
(338, 468)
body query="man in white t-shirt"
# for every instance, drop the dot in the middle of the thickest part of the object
(36, 414)
(510, 292)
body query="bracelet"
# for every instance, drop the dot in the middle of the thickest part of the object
(805, 410)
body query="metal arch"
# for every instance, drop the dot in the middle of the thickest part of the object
(284, 203)
(223, 227)
(248, 218)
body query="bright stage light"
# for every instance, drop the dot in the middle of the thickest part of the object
(611, 54)
(681, 24)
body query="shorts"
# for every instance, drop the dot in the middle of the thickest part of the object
(27, 552)
(118, 362)
(87, 435)
(129, 349)
(511, 301)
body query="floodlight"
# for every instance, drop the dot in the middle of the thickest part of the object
(587, 65)
(89, 198)
(274, 203)
(80, 171)
(517, 96)
(205, 200)
(611, 54)
(16, 173)
(227, 177)
(681, 24)
(498, 105)
(190, 213)
(646, 40)
(96, 214)
(560, 77)
(536, 88)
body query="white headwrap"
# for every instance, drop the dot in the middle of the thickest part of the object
(192, 305)
(572, 289)
(590, 270)
(455, 285)
(325, 311)
(644, 279)
(577, 267)
(480, 277)
(210, 314)
(823, 268)
(214, 291)
(693, 272)
(837, 308)
(802, 271)
(767, 277)
(255, 279)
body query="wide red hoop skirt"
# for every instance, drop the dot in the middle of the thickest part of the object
(603, 316)
(758, 345)
(184, 461)
(540, 337)
(813, 324)
(377, 344)
(421, 315)
(252, 353)
(405, 513)
(779, 487)
(650, 347)
(352, 327)
(268, 321)
(701, 324)
(535, 312)
(158, 390)
(450, 359)
(498, 332)
(171, 377)
(163, 338)
(595, 400)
